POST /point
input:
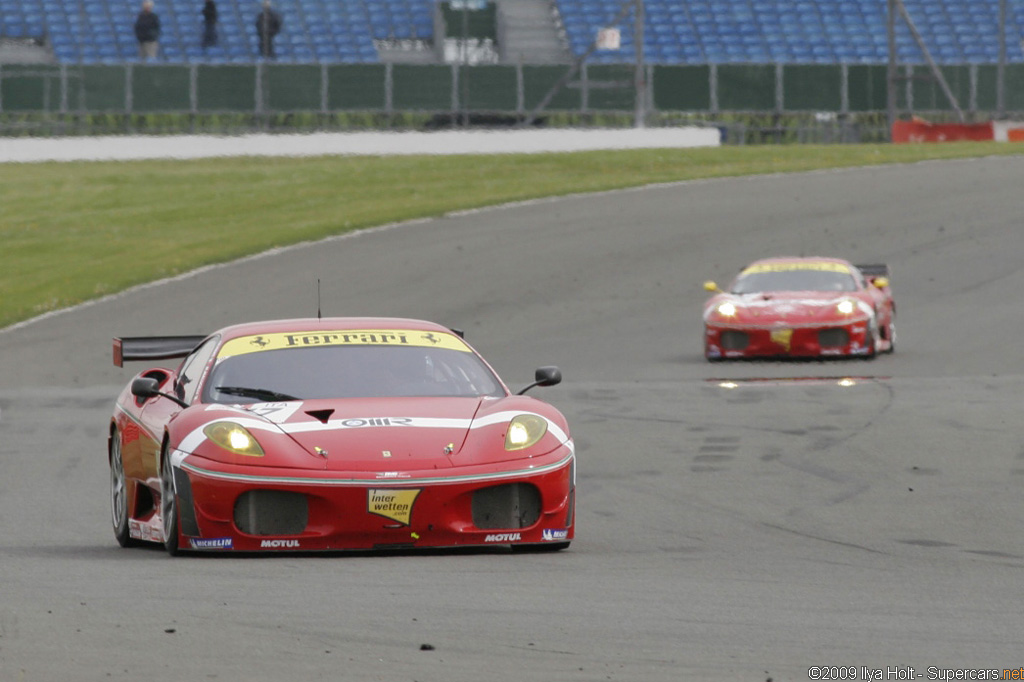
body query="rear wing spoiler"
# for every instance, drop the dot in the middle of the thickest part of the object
(874, 270)
(153, 347)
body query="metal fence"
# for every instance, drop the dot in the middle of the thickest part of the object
(261, 88)
(510, 90)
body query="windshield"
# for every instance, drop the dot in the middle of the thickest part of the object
(349, 371)
(793, 280)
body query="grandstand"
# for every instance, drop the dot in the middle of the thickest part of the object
(798, 31)
(100, 31)
(676, 31)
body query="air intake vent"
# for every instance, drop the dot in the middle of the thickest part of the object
(515, 505)
(322, 415)
(271, 512)
(833, 338)
(734, 340)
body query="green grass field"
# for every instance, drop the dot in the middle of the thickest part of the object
(71, 232)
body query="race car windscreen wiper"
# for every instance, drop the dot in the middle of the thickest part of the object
(257, 393)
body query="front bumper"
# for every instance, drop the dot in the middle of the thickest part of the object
(255, 511)
(724, 341)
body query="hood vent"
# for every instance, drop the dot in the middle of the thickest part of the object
(322, 415)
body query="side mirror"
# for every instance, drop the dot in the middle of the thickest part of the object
(148, 387)
(544, 376)
(547, 376)
(880, 282)
(145, 388)
(711, 286)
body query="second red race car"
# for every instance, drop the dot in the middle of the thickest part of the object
(801, 307)
(334, 434)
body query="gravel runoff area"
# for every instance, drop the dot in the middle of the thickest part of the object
(115, 148)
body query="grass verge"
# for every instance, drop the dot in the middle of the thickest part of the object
(70, 232)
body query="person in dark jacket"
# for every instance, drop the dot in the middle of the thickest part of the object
(209, 24)
(147, 31)
(268, 25)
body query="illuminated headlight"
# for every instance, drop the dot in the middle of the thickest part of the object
(846, 307)
(524, 430)
(233, 438)
(727, 309)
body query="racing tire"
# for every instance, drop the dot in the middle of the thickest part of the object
(876, 336)
(168, 503)
(890, 334)
(118, 493)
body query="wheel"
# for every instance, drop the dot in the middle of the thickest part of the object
(168, 503)
(118, 493)
(890, 333)
(875, 335)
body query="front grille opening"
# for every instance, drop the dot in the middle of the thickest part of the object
(832, 338)
(271, 512)
(513, 505)
(734, 340)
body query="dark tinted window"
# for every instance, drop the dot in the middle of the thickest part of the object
(192, 369)
(794, 280)
(353, 372)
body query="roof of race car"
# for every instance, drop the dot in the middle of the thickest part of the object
(799, 263)
(336, 331)
(295, 333)
(328, 323)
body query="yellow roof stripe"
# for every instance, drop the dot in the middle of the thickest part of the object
(788, 267)
(341, 337)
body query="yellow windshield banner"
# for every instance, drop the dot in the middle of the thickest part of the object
(789, 267)
(344, 337)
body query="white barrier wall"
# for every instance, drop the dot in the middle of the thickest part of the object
(1008, 131)
(355, 144)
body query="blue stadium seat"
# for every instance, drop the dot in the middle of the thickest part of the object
(677, 31)
(100, 31)
(811, 31)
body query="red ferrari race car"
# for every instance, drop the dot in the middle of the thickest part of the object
(801, 307)
(334, 434)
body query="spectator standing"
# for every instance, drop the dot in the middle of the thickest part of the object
(268, 25)
(209, 24)
(147, 31)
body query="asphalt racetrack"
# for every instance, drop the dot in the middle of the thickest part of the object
(735, 521)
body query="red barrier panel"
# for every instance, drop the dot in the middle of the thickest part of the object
(917, 130)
